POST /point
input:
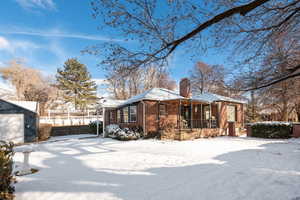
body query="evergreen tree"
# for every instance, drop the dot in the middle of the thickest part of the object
(75, 81)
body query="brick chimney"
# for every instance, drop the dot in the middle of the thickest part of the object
(185, 88)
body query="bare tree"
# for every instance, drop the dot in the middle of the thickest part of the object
(30, 84)
(281, 97)
(208, 78)
(125, 85)
(248, 25)
(283, 55)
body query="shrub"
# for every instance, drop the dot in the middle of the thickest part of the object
(93, 127)
(125, 134)
(6, 171)
(44, 131)
(271, 130)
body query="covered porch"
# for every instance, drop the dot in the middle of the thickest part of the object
(197, 115)
(190, 114)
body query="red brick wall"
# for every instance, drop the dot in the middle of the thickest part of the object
(171, 117)
(223, 123)
(296, 130)
(113, 112)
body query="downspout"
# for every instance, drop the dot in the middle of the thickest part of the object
(210, 114)
(191, 114)
(103, 131)
(180, 116)
(144, 117)
(158, 116)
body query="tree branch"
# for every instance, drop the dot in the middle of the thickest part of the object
(291, 75)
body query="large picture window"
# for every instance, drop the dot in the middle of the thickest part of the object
(127, 114)
(231, 113)
(132, 113)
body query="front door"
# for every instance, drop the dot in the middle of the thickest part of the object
(186, 116)
(231, 129)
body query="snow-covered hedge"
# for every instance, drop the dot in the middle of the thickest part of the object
(271, 129)
(114, 131)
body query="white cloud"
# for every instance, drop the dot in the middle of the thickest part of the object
(4, 44)
(12, 46)
(30, 4)
(58, 34)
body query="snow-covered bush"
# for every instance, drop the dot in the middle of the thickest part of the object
(114, 131)
(271, 129)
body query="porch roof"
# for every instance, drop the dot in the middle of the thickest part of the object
(210, 97)
(111, 103)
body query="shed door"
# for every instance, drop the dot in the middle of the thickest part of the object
(12, 127)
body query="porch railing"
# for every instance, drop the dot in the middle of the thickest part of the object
(197, 123)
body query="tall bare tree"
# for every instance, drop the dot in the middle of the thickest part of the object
(125, 85)
(208, 78)
(247, 25)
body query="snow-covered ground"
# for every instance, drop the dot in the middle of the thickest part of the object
(220, 168)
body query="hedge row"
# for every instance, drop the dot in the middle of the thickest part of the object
(271, 130)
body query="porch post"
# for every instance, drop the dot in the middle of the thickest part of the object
(179, 115)
(103, 118)
(191, 114)
(210, 115)
(201, 116)
(97, 122)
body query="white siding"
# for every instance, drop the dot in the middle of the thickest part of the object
(12, 127)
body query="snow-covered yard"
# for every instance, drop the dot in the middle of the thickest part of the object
(220, 168)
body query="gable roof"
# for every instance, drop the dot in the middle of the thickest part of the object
(157, 94)
(162, 94)
(28, 105)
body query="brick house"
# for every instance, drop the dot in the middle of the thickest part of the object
(178, 116)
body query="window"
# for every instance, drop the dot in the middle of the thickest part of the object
(206, 112)
(132, 113)
(125, 114)
(231, 113)
(162, 109)
(119, 116)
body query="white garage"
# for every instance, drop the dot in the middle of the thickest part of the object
(12, 127)
(18, 121)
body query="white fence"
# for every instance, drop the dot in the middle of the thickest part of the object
(61, 118)
(73, 120)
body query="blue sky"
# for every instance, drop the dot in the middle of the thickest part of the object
(46, 32)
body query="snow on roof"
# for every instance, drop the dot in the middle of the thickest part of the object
(210, 97)
(112, 103)
(162, 94)
(158, 94)
(28, 105)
